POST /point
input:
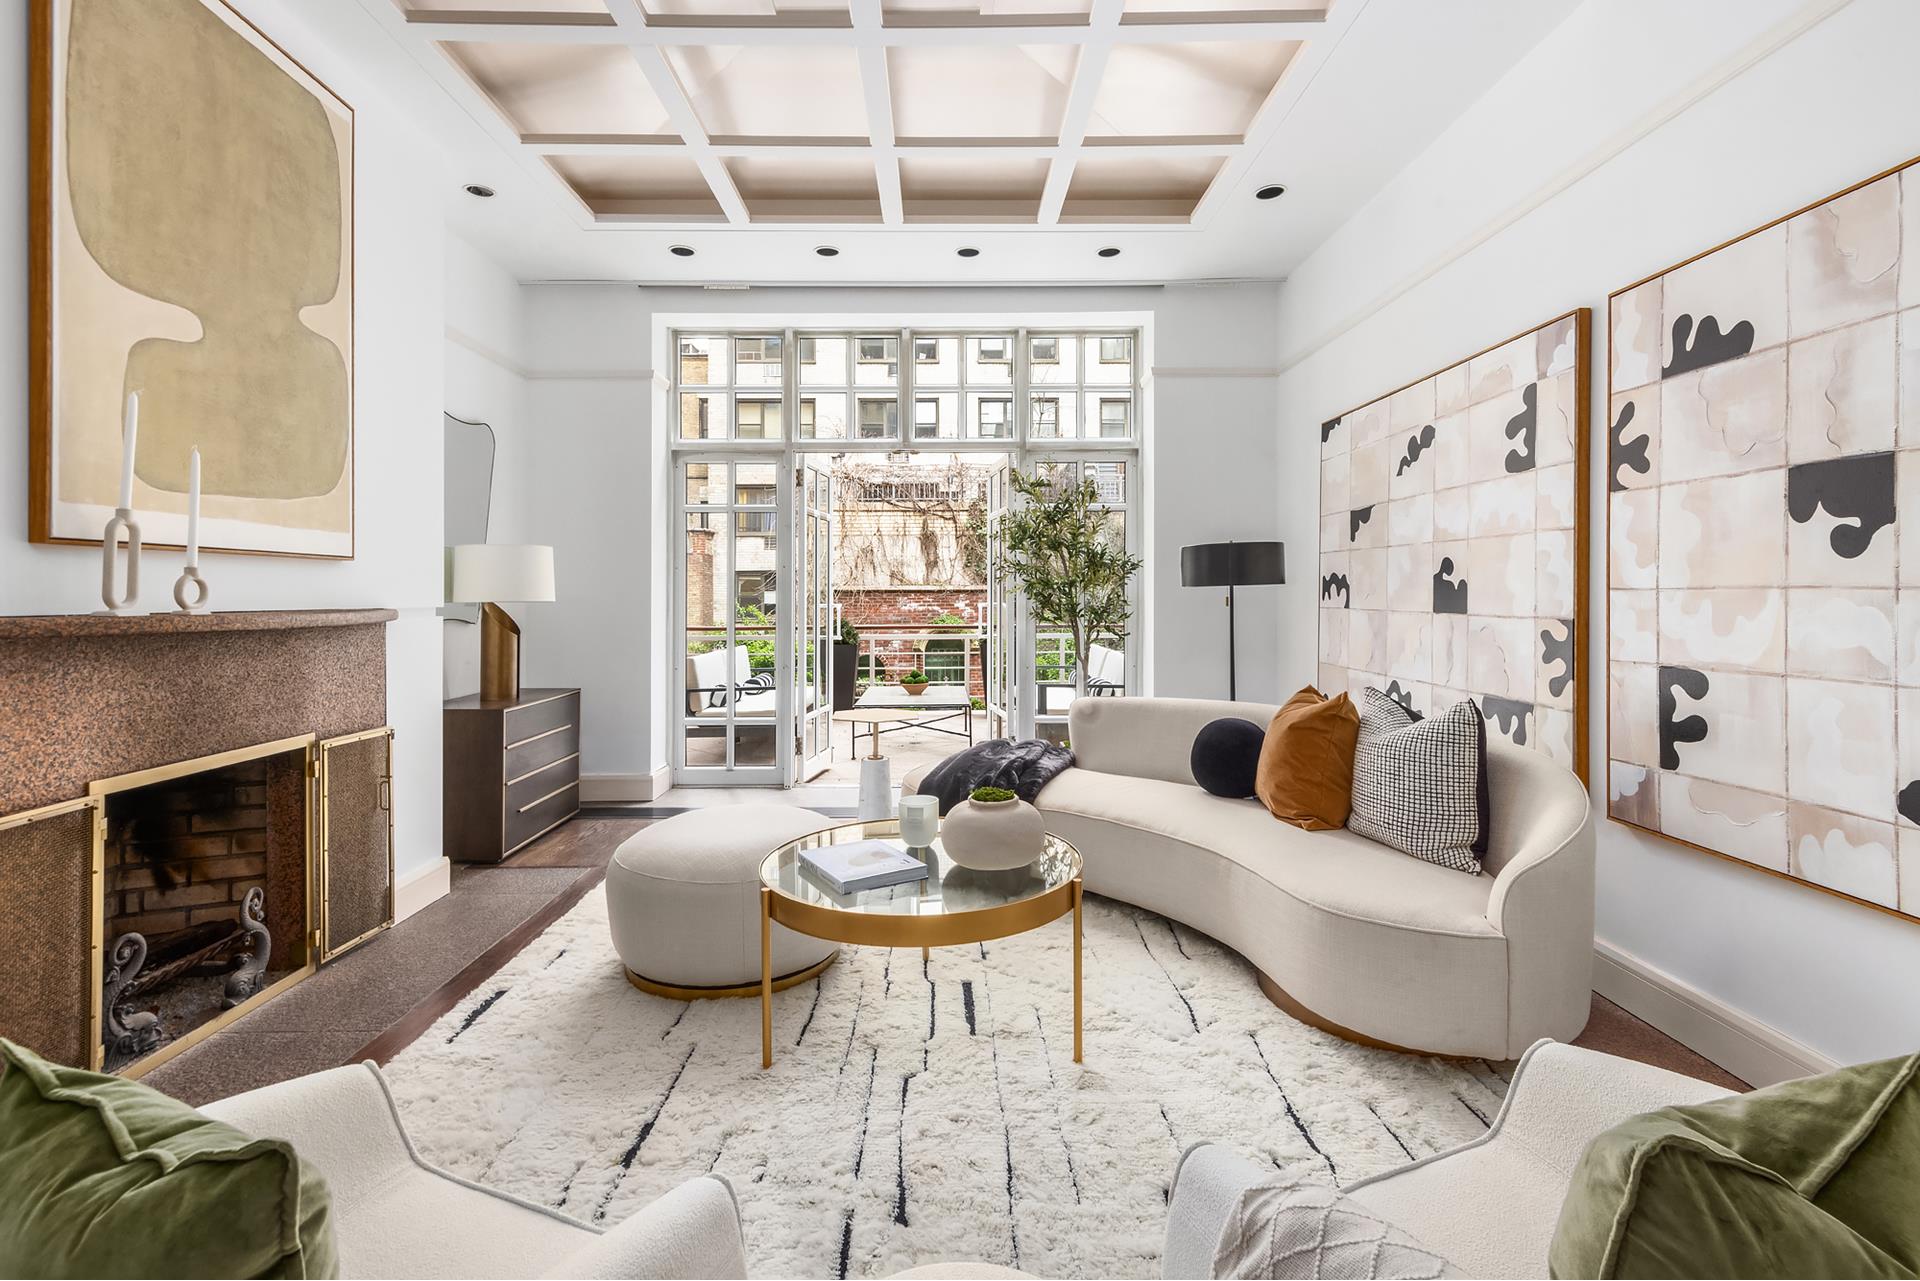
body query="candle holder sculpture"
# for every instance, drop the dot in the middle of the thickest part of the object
(190, 582)
(119, 598)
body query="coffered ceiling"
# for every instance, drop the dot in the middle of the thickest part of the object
(1035, 131)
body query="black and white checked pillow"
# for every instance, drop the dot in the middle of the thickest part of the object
(1419, 785)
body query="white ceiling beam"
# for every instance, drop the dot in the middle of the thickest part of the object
(1000, 34)
(1088, 71)
(876, 86)
(680, 113)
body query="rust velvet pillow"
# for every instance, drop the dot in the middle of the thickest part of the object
(1306, 764)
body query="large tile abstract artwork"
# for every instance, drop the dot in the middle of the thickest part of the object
(192, 196)
(1452, 544)
(1763, 590)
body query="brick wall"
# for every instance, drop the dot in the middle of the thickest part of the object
(186, 851)
(880, 609)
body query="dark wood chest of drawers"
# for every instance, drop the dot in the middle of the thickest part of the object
(512, 771)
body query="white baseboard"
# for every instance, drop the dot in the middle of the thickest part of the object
(608, 788)
(420, 888)
(1751, 1050)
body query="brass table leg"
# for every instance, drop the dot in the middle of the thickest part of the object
(1076, 968)
(766, 977)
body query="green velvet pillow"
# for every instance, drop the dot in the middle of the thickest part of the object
(105, 1177)
(1809, 1178)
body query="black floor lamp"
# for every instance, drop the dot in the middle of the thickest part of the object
(1232, 565)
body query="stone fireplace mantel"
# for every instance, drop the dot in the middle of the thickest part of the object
(90, 696)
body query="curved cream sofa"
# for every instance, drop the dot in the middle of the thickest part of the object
(1347, 934)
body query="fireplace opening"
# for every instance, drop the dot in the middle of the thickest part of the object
(205, 898)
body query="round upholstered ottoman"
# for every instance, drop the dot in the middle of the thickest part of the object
(683, 900)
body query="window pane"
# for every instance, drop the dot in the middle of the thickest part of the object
(1115, 362)
(1110, 417)
(756, 418)
(990, 417)
(1110, 478)
(754, 483)
(823, 361)
(1056, 415)
(879, 419)
(936, 362)
(703, 416)
(1053, 359)
(936, 417)
(990, 359)
(703, 362)
(754, 568)
(756, 361)
(706, 483)
(823, 416)
(876, 360)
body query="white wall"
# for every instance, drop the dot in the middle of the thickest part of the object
(596, 477)
(398, 394)
(485, 382)
(1637, 134)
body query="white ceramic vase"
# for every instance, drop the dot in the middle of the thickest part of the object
(993, 836)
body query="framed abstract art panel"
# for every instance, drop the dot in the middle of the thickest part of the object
(1453, 545)
(192, 242)
(1763, 547)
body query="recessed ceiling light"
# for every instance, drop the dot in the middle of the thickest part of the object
(680, 251)
(476, 189)
(968, 252)
(1270, 191)
(1111, 251)
(827, 251)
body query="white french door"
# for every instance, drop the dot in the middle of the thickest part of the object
(1001, 625)
(813, 632)
(735, 659)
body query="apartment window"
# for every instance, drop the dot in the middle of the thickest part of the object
(806, 348)
(756, 351)
(996, 418)
(877, 351)
(1114, 419)
(1046, 416)
(758, 420)
(926, 418)
(926, 351)
(879, 419)
(1046, 351)
(998, 351)
(806, 417)
(1116, 351)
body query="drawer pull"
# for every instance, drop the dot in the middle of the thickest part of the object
(544, 799)
(544, 768)
(545, 733)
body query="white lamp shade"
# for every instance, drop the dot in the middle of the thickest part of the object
(502, 571)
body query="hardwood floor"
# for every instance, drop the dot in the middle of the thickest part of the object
(374, 1002)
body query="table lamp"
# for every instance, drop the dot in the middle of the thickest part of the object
(484, 573)
(1232, 565)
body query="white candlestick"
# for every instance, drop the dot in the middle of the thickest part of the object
(129, 431)
(193, 510)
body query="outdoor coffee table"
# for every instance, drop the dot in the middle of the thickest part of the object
(937, 703)
(952, 906)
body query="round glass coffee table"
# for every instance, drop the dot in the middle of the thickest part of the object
(952, 905)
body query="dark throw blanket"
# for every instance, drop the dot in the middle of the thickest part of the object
(1023, 768)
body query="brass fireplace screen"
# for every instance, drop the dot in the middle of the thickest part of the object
(65, 989)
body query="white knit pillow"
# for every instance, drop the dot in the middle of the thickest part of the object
(1417, 784)
(1291, 1226)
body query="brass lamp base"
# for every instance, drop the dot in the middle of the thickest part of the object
(499, 655)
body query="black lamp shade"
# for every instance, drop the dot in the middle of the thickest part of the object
(1232, 564)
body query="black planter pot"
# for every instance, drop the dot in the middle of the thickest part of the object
(846, 661)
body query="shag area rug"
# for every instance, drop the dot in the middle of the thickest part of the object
(916, 1112)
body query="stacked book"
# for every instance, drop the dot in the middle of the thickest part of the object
(862, 865)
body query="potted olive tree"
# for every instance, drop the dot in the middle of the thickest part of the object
(1060, 550)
